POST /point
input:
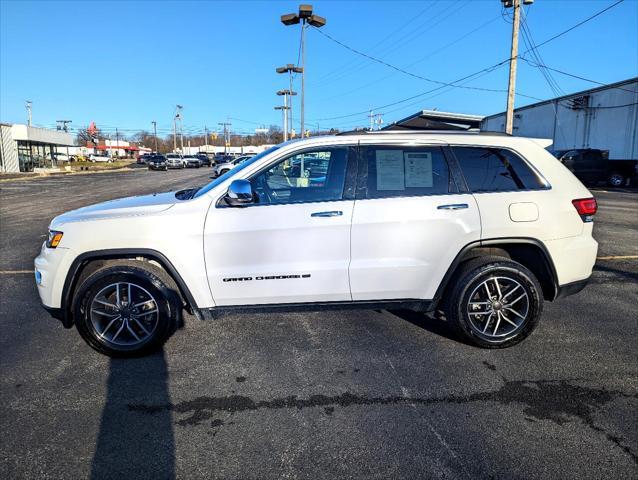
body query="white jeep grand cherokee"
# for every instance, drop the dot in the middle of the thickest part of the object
(483, 227)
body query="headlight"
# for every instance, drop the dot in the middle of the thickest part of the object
(54, 239)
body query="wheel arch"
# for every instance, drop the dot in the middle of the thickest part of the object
(92, 259)
(529, 252)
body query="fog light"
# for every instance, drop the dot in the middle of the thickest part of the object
(38, 278)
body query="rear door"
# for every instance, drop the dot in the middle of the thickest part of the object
(412, 216)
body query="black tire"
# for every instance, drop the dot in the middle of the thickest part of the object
(616, 179)
(223, 172)
(463, 288)
(167, 304)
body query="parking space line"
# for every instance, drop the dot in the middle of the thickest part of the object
(618, 257)
(16, 272)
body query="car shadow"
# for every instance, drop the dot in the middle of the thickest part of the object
(431, 322)
(129, 444)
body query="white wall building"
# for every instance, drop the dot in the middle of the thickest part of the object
(604, 118)
(23, 148)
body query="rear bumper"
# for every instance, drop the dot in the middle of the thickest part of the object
(571, 288)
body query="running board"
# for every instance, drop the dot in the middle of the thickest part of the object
(400, 304)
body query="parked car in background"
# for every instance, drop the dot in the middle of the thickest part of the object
(590, 166)
(175, 160)
(223, 158)
(157, 162)
(205, 159)
(96, 157)
(593, 166)
(229, 164)
(142, 159)
(59, 157)
(192, 162)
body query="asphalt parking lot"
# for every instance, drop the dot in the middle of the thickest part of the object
(346, 394)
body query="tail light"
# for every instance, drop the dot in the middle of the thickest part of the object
(586, 208)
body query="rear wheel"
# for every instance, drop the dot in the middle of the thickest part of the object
(223, 172)
(125, 311)
(494, 302)
(616, 179)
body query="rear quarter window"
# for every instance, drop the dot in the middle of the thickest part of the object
(496, 170)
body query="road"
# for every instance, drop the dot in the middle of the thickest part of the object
(347, 394)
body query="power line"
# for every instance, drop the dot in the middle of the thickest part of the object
(398, 69)
(579, 24)
(468, 76)
(428, 55)
(562, 72)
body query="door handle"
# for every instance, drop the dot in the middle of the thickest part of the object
(333, 213)
(453, 206)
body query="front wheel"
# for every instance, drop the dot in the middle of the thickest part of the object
(494, 302)
(125, 311)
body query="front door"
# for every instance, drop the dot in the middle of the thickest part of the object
(293, 244)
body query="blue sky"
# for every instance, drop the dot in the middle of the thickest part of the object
(124, 64)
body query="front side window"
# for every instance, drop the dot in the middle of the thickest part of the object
(311, 176)
(406, 172)
(496, 170)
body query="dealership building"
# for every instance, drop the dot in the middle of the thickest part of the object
(24, 148)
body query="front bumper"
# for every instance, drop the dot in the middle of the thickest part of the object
(51, 267)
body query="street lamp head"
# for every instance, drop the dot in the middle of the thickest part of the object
(290, 19)
(305, 11)
(316, 21)
(281, 69)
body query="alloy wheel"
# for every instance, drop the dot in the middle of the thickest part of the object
(124, 314)
(498, 307)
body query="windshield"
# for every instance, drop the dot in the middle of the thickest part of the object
(208, 187)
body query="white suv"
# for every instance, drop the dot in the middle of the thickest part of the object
(482, 227)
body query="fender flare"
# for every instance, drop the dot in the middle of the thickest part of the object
(70, 282)
(549, 264)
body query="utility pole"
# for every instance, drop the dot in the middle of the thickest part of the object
(117, 143)
(155, 133)
(511, 89)
(206, 137)
(371, 117)
(226, 135)
(306, 17)
(29, 103)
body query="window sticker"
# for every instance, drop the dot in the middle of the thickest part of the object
(418, 170)
(390, 170)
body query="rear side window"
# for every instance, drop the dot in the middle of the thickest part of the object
(496, 170)
(406, 172)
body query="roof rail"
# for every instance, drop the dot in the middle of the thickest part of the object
(423, 132)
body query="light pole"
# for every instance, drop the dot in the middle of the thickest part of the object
(304, 16)
(284, 110)
(290, 69)
(286, 94)
(178, 116)
(155, 133)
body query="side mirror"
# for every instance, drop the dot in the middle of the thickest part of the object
(240, 193)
